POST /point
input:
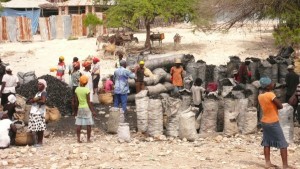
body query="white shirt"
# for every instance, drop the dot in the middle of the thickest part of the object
(4, 130)
(197, 91)
(10, 83)
(37, 108)
(89, 85)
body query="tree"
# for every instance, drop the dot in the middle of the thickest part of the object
(127, 13)
(91, 21)
(233, 12)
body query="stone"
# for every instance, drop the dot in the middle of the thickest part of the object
(4, 163)
(33, 150)
(101, 112)
(218, 138)
(106, 116)
(75, 151)
(184, 140)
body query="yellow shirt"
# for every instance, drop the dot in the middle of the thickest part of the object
(270, 110)
(82, 93)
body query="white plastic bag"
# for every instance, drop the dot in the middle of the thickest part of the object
(124, 132)
(187, 127)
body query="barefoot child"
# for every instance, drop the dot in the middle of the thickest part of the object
(272, 132)
(85, 108)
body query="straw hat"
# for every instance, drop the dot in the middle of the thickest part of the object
(177, 60)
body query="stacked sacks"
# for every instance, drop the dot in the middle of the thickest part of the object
(142, 102)
(155, 118)
(286, 122)
(113, 120)
(265, 69)
(280, 92)
(233, 64)
(274, 74)
(209, 117)
(172, 124)
(230, 117)
(252, 95)
(253, 66)
(187, 127)
(249, 121)
(220, 72)
(209, 74)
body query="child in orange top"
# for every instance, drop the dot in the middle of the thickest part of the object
(272, 132)
(177, 75)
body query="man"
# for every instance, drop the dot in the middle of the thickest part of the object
(71, 68)
(177, 75)
(140, 73)
(121, 85)
(291, 81)
(244, 73)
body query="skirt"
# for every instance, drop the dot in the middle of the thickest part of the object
(36, 123)
(273, 136)
(84, 117)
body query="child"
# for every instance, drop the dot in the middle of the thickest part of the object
(85, 108)
(109, 85)
(75, 75)
(197, 94)
(61, 67)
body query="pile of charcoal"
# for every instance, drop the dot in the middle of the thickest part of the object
(59, 93)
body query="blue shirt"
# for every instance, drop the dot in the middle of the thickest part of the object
(121, 80)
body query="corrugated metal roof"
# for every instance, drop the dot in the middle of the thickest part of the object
(24, 3)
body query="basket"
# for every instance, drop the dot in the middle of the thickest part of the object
(23, 139)
(105, 98)
(54, 114)
(53, 69)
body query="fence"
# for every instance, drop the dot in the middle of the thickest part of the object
(13, 29)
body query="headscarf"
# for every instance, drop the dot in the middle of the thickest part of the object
(12, 99)
(95, 59)
(43, 82)
(86, 63)
(8, 68)
(265, 81)
(83, 80)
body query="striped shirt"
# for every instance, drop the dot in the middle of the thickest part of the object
(298, 92)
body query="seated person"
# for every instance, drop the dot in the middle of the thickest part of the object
(7, 131)
(108, 85)
(10, 107)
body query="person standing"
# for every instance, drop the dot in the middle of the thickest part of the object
(2, 71)
(85, 108)
(75, 75)
(37, 123)
(9, 84)
(291, 81)
(61, 67)
(86, 72)
(272, 131)
(121, 90)
(197, 95)
(96, 74)
(71, 68)
(177, 75)
(244, 73)
(140, 73)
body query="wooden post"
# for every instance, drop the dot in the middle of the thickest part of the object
(59, 10)
(66, 10)
(86, 9)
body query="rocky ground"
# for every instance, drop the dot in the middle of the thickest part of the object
(60, 150)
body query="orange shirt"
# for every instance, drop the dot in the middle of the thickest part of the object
(177, 76)
(270, 111)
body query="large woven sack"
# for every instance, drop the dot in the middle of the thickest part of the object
(23, 138)
(250, 121)
(124, 132)
(106, 98)
(27, 112)
(187, 128)
(148, 72)
(54, 114)
(230, 117)
(113, 120)
(208, 123)
(155, 117)
(286, 122)
(21, 101)
(141, 102)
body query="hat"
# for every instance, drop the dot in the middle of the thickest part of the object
(290, 67)
(8, 68)
(12, 98)
(86, 63)
(43, 81)
(142, 62)
(177, 60)
(62, 58)
(83, 80)
(265, 81)
(235, 72)
(95, 59)
(122, 62)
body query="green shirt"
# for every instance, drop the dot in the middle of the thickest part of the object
(82, 93)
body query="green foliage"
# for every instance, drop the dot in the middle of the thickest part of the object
(127, 13)
(91, 21)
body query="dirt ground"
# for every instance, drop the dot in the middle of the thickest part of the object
(61, 151)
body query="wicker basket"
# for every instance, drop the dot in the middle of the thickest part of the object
(105, 98)
(23, 139)
(54, 114)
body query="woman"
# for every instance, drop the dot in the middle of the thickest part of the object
(177, 75)
(96, 74)
(37, 123)
(272, 132)
(86, 72)
(9, 84)
(85, 108)
(75, 75)
(10, 107)
(61, 67)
